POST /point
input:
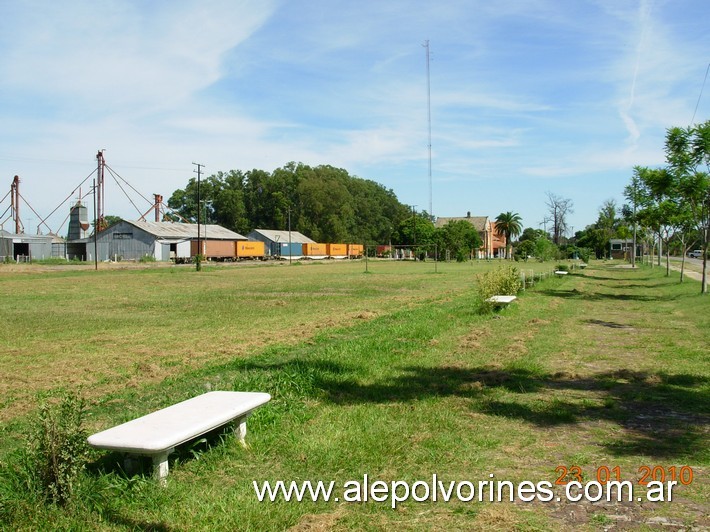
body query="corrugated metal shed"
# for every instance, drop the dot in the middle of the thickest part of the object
(26, 245)
(281, 236)
(180, 231)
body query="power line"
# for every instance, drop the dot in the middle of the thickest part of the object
(701, 94)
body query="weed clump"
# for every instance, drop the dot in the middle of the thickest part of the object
(502, 281)
(58, 451)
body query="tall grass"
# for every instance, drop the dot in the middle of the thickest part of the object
(604, 367)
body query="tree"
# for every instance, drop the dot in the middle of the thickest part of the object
(459, 238)
(559, 209)
(508, 225)
(417, 230)
(323, 202)
(688, 157)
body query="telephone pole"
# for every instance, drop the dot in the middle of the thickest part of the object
(198, 255)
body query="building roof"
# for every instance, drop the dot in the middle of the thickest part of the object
(479, 222)
(283, 236)
(175, 230)
(25, 237)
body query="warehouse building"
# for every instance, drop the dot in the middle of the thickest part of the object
(162, 241)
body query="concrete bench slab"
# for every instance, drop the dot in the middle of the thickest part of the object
(501, 300)
(157, 434)
(561, 272)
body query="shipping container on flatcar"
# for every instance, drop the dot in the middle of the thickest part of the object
(314, 251)
(284, 250)
(214, 249)
(355, 251)
(249, 249)
(338, 251)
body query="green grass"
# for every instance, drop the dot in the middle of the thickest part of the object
(394, 374)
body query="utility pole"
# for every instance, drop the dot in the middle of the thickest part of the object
(290, 252)
(198, 255)
(414, 232)
(96, 231)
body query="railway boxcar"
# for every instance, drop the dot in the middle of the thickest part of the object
(249, 249)
(384, 251)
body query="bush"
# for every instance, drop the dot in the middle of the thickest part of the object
(57, 447)
(563, 267)
(147, 258)
(503, 281)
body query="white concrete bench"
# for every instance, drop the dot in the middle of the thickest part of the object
(157, 434)
(561, 272)
(501, 300)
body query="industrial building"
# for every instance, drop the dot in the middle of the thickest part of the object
(162, 241)
(23, 247)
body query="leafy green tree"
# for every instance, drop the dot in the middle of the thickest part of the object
(417, 230)
(323, 202)
(545, 249)
(459, 238)
(688, 157)
(508, 225)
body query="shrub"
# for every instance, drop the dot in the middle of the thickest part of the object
(57, 447)
(147, 258)
(563, 267)
(503, 281)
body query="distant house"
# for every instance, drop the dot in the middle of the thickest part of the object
(493, 246)
(133, 240)
(281, 243)
(621, 248)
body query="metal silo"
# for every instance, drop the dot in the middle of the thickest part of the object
(78, 222)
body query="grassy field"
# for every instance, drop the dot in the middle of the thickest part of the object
(392, 373)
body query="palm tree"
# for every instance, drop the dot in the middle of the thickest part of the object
(508, 225)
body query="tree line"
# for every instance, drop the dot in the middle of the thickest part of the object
(324, 203)
(668, 207)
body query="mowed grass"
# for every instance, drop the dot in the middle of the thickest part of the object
(393, 374)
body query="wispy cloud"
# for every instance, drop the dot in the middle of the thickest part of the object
(533, 92)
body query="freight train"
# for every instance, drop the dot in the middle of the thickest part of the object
(228, 250)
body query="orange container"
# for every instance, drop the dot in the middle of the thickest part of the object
(355, 250)
(314, 250)
(248, 249)
(336, 250)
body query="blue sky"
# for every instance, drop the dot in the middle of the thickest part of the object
(527, 96)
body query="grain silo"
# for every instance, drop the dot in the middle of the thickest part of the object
(78, 222)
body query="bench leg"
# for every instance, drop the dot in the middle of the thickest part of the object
(240, 431)
(160, 468)
(130, 464)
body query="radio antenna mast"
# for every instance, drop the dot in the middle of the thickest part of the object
(428, 101)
